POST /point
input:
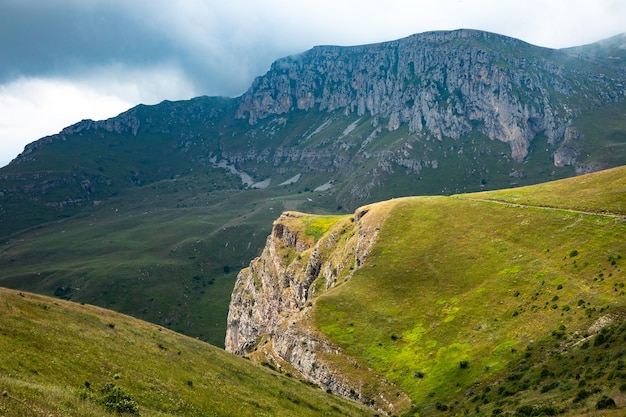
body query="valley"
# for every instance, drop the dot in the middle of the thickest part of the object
(427, 226)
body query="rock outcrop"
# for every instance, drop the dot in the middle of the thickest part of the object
(444, 84)
(270, 314)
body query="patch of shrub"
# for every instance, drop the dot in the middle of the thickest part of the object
(514, 377)
(605, 403)
(527, 410)
(441, 407)
(545, 373)
(549, 387)
(602, 338)
(268, 365)
(582, 395)
(115, 399)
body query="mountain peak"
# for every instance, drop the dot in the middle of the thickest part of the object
(440, 84)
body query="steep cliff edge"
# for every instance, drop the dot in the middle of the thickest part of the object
(442, 84)
(425, 304)
(269, 318)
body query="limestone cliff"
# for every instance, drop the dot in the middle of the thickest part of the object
(442, 84)
(270, 315)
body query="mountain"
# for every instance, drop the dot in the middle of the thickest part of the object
(154, 212)
(507, 302)
(65, 359)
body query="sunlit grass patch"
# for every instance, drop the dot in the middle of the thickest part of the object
(456, 289)
(62, 358)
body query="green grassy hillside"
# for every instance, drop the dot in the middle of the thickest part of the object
(602, 193)
(474, 305)
(60, 358)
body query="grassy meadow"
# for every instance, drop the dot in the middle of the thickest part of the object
(60, 358)
(458, 291)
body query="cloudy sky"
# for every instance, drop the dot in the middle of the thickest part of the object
(62, 61)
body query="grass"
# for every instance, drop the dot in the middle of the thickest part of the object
(585, 193)
(317, 226)
(604, 133)
(457, 288)
(59, 356)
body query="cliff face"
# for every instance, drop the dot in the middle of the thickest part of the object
(270, 310)
(442, 84)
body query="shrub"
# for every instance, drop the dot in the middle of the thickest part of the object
(582, 395)
(116, 400)
(527, 410)
(549, 387)
(605, 403)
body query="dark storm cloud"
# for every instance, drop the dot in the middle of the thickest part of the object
(67, 38)
(221, 46)
(40, 38)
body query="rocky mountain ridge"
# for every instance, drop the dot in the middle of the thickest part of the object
(363, 116)
(444, 84)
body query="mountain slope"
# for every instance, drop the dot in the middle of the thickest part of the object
(447, 298)
(65, 359)
(154, 211)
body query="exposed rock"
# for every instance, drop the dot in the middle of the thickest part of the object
(569, 150)
(127, 122)
(442, 83)
(270, 310)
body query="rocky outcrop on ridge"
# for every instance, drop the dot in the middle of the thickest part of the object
(444, 84)
(269, 318)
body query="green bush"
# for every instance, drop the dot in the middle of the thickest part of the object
(605, 403)
(115, 399)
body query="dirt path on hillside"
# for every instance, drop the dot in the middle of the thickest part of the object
(568, 210)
